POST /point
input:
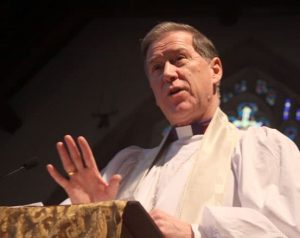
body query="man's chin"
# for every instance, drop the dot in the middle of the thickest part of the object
(183, 108)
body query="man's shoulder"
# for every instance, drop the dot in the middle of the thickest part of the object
(263, 133)
(265, 137)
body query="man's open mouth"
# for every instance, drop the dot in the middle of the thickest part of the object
(174, 91)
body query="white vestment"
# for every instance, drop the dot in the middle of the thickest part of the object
(262, 190)
(260, 196)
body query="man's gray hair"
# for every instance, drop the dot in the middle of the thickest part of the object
(202, 45)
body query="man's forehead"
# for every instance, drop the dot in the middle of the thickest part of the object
(170, 52)
(169, 42)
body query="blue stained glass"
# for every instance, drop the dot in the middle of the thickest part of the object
(286, 109)
(232, 118)
(246, 116)
(241, 108)
(291, 132)
(241, 86)
(271, 97)
(265, 121)
(226, 97)
(298, 114)
(261, 87)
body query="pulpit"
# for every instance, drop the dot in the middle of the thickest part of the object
(109, 219)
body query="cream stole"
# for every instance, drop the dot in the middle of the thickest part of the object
(207, 182)
(208, 178)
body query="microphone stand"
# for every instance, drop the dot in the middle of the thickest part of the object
(26, 166)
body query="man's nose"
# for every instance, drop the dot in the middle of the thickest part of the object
(169, 73)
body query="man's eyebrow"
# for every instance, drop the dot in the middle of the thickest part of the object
(181, 49)
(153, 59)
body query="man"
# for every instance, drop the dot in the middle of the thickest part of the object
(225, 183)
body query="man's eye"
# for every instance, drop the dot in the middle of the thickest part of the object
(156, 67)
(180, 59)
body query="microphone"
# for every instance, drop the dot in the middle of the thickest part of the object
(33, 162)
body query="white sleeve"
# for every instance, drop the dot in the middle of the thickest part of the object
(123, 162)
(237, 222)
(267, 170)
(66, 202)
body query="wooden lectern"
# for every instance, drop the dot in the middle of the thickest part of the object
(110, 219)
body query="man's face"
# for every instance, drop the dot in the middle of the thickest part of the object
(181, 80)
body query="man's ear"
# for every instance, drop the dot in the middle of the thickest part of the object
(217, 70)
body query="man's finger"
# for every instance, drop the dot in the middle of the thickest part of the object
(64, 157)
(59, 179)
(87, 153)
(113, 185)
(74, 152)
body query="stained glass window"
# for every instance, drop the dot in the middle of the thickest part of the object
(260, 102)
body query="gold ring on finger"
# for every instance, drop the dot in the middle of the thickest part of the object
(71, 173)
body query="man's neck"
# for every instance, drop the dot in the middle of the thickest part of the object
(201, 119)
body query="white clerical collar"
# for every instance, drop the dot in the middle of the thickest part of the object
(184, 131)
(196, 128)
